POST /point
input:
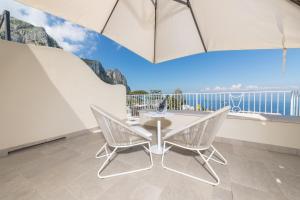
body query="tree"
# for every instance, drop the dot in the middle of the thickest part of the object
(178, 91)
(176, 101)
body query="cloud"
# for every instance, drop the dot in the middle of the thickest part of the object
(69, 36)
(219, 88)
(252, 87)
(70, 47)
(67, 30)
(236, 86)
(30, 15)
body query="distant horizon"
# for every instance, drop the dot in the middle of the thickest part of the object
(225, 90)
(220, 70)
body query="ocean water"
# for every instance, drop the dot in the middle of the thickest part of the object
(276, 104)
(258, 102)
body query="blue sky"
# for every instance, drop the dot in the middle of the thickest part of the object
(214, 70)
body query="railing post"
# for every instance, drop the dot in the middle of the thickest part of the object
(292, 103)
(197, 102)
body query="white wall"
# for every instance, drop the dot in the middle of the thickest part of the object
(46, 92)
(285, 134)
(250, 129)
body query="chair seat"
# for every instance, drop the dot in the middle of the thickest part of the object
(132, 140)
(180, 142)
(142, 132)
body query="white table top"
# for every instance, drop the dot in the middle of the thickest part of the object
(158, 114)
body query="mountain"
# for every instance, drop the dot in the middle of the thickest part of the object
(24, 32)
(111, 76)
(118, 78)
(97, 67)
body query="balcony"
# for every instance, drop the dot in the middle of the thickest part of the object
(66, 169)
(49, 137)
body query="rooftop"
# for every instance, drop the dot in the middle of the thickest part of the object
(67, 169)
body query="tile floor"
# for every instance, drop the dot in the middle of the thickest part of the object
(66, 169)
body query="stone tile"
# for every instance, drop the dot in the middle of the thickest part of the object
(8, 176)
(283, 163)
(38, 167)
(289, 185)
(253, 154)
(182, 187)
(178, 158)
(156, 176)
(67, 169)
(17, 159)
(18, 188)
(89, 187)
(224, 148)
(136, 157)
(252, 174)
(241, 192)
(59, 194)
(221, 194)
(132, 189)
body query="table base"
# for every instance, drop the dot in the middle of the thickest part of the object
(156, 150)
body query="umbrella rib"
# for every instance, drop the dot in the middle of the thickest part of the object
(296, 2)
(196, 24)
(182, 2)
(155, 18)
(109, 17)
(153, 2)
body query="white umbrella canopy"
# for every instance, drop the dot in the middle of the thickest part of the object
(161, 30)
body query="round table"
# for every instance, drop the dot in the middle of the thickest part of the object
(157, 148)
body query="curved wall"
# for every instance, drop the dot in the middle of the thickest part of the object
(46, 92)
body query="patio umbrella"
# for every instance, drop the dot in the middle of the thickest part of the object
(160, 30)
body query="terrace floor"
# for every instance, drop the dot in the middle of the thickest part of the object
(67, 169)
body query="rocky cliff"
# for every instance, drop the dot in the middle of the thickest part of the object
(117, 77)
(111, 76)
(98, 69)
(24, 32)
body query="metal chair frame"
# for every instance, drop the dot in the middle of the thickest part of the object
(114, 151)
(205, 158)
(199, 149)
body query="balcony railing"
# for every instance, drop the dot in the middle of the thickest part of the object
(283, 102)
(295, 103)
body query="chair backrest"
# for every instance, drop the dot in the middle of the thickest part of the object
(201, 133)
(213, 125)
(114, 130)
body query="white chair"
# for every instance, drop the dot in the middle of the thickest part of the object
(119, 135)
(198, 137)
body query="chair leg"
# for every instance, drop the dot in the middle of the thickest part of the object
(213, 173)
(221, 160)
(98, 154)
(109, 156)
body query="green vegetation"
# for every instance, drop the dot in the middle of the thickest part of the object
(138, 92)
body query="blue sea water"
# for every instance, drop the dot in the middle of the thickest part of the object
(276, 104)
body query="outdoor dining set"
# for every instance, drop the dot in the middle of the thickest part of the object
(197, 136)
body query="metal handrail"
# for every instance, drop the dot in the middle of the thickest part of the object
(279, 102)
